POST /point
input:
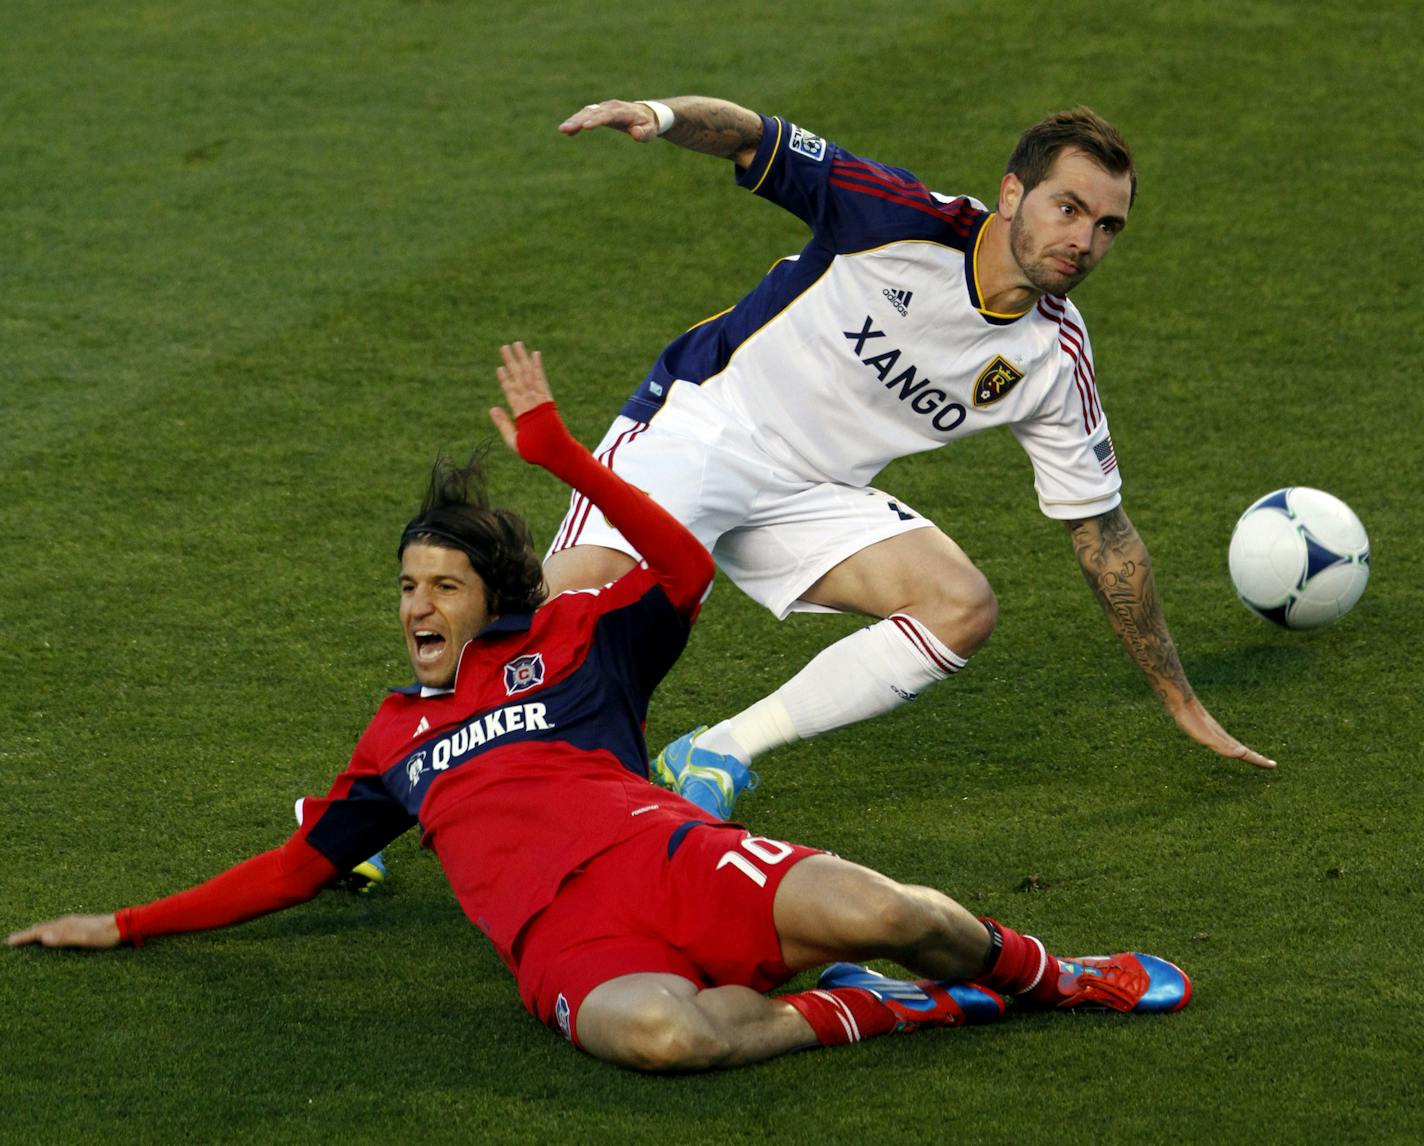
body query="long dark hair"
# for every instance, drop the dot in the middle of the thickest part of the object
(456, 514)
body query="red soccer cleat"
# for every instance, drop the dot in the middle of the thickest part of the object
(1129, 981)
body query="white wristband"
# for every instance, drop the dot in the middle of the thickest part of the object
(665, 115)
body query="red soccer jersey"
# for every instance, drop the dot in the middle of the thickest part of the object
(531, 765)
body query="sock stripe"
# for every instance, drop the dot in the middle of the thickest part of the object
(928, 645)
(843, 1013)
(1042, 962)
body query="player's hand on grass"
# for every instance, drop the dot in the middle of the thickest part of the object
(94, 931)
(1193, 719)
(634, 119)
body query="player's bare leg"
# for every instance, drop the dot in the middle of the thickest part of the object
(584, 567)
(829, 909)
(922, 573)
(826, 909)
(661, 1022)
(938, 608)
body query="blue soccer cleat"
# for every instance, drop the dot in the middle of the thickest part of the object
(922, 1002)
(711, 781)
(1130, 982)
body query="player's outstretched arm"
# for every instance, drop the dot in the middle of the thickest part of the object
(98, 932)
(537, 434)
(276, 879)
(699, 123)
(1118, 569)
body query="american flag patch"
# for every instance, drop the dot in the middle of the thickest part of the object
(1103, 451)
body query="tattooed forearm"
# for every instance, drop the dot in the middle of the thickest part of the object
(1117, 567)
(713, 126)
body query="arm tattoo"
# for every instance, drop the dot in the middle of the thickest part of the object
(1117, 567)
(713, 126)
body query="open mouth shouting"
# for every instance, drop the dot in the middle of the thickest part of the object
(429, 646)
(442, 606)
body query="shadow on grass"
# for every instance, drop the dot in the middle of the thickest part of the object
(1251, 665)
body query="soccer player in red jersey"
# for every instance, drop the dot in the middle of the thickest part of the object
(634, 922)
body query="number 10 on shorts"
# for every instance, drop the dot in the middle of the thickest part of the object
(769, 852)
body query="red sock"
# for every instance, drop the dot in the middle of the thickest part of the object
(1023, 966)
(841, 1015)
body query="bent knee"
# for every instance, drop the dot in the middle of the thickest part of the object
(980, 609)
(961, 609)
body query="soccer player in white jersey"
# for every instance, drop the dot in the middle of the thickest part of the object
(910, 319)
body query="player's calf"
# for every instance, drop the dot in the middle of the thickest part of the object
(663, 1023)
(667, 1038)
(829, 909)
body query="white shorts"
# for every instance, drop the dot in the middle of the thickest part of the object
(775, 534)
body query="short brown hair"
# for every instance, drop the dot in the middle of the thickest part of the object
(1081, 128)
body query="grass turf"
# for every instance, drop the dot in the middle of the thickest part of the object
(257, 264)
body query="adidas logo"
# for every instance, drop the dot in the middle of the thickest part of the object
(423, 726)
(899, 299)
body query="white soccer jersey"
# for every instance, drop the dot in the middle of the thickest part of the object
(872, 344)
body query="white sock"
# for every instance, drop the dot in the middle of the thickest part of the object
(860, 676)
(763, 726)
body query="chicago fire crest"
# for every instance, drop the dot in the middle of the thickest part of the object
(523, 673)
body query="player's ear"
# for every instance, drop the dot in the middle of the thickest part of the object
(1011, 192)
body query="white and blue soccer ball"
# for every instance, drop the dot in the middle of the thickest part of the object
(1299, 557)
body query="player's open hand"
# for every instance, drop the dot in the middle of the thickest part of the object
(525, 387)
(634, 119)
(98, 932)
(1201, 726)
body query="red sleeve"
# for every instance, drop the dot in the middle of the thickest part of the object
(675, 557)
(282, 877)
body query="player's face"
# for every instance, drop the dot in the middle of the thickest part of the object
(1064, 226)
(442, 605)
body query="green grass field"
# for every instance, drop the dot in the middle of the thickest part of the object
(255, 263)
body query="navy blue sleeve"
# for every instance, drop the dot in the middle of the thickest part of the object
(849, 203)
(353, 821)
(643, 637)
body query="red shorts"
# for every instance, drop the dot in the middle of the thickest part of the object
(704, 914)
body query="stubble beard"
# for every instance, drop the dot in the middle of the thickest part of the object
(1040, 276)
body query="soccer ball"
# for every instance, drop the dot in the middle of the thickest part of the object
(1299, 557)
